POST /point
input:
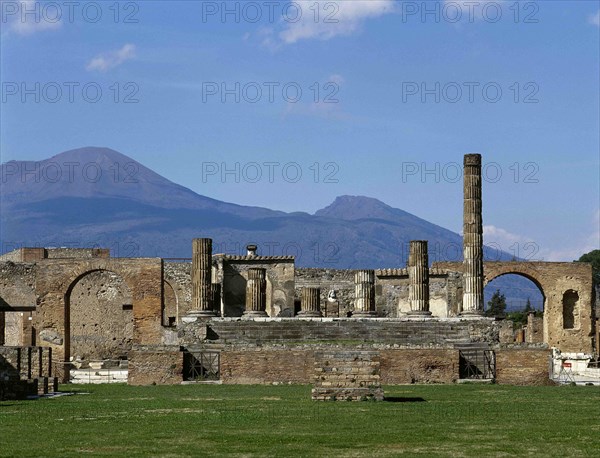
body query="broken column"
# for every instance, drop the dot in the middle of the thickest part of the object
(364, 292)
(472, 237)
(256, 293)
(418, 277)
(202, 304)
(310, 306)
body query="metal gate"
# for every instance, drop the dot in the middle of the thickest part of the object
(477, 364)
(201, 366)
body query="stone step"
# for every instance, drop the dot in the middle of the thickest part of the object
(472, 346)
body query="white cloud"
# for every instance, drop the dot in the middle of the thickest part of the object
(494, 234)
(323, 20)
(594, 19)
(526, 248)
(267, 38)
(110, 60)
(27, 17)
(502, 240)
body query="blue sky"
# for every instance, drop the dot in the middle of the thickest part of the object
(389, 91)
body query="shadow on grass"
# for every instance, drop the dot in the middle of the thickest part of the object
(400, 399)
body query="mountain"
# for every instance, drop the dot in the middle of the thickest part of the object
(104, 173)
(99, 197)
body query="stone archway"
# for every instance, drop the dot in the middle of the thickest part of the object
(553, 279)
(55, 278)
(98, 317)
(532, 328)
(489, 281)
(170, 306)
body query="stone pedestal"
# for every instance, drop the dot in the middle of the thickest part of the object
(310, 306)
(472, 238)
(202, 304)
(347, 376)
(418, 277)
(364, 292)
(256, 293)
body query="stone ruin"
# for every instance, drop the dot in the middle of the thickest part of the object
(259, 319)
(26, 372)
(347, 376)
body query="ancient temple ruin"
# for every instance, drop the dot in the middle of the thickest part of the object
(259, 319)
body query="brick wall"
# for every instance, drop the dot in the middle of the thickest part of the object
(419, 366)
(522, 366)
(267, 366)
(535, 329)
(26, 254)
(397, 366)
(17, 285)
(178, 276)
(347, 375)
(264, 365)
(155, 366)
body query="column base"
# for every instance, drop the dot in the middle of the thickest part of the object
(310, 314)
(471, 314)
(420, 314)
(202, 313)
(370, 314)
(254, 314)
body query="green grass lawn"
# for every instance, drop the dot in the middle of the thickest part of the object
(210, 420)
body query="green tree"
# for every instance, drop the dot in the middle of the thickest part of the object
(497, 305)
(520, 316)
(593, 257)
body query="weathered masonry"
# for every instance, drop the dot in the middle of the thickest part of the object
(259, 319)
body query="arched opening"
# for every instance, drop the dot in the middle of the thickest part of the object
(169, 306)
(524, 302)
(98, 318)
(570, 309)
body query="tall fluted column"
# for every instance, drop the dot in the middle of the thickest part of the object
(311, 302)
(418, 277)
(256, 293)
(201, 278)
(364, 292)
(472, 237)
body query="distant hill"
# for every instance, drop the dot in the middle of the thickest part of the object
(99, 197)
